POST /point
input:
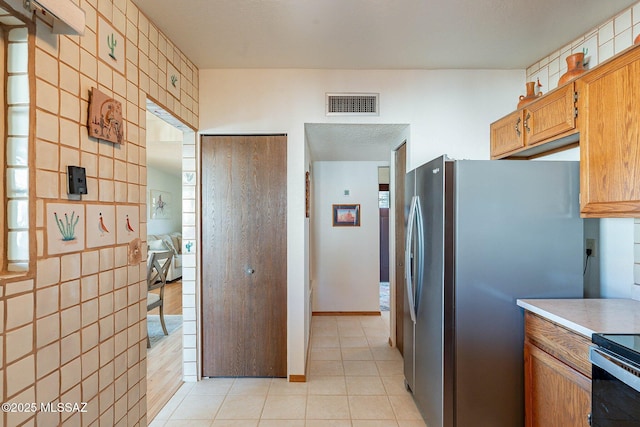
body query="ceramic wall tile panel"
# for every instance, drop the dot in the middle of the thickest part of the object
(111, 46)
(65, 225)
(128, 223)
(101, 225)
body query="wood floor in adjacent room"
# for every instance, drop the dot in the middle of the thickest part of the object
(164, 358)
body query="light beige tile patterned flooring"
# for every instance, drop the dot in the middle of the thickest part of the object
(354, 380)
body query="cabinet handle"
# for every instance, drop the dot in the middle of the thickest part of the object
(526, 123)
(589, 419)
(518, 126)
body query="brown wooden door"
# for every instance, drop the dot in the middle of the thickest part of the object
(400, 175)
(244, 268)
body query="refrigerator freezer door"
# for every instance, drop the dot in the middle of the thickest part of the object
(408, 318)
(430, 374)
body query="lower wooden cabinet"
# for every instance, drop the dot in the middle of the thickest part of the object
(557, 383)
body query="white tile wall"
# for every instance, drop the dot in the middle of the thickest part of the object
(600, 44)
(189, 226)
(76, 326)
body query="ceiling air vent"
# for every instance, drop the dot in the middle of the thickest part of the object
(352, 104)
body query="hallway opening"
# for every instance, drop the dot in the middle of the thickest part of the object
(164, 233)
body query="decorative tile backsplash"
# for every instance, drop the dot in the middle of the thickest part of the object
(599, 44)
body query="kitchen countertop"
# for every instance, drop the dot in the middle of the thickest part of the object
(589, 316)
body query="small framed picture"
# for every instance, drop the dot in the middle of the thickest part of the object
(160, 206)
(346, 215)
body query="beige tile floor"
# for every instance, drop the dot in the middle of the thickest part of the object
(354, 380)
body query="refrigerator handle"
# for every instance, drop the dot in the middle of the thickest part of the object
(408, 264)
(421, 237)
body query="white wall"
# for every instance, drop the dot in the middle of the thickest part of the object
(613, 266)
(448, 111)
(347, 259)
(616, 257)
(159, 180)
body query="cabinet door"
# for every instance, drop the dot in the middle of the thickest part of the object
(550, 116)
(507, 134)
(609, 121)
(555, 394)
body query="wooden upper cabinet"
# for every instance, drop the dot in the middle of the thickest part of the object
(506, 135)
(609, 121)
(550, 117)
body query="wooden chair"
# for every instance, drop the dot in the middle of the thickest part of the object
(158, 264)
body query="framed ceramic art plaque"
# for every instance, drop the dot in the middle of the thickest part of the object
(105, 117)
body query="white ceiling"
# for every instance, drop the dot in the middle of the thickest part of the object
(373, 34)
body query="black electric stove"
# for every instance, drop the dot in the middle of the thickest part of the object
(625, 345)
(615, 391)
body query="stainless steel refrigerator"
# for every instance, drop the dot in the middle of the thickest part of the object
(481, 234)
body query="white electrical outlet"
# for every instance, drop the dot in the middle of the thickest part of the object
(591, 244)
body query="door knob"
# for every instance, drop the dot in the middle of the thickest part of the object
(249, 271)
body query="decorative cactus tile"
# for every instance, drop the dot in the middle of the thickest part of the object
(65, 228)
(101, 225)
(127, 223)
(111, 46)
(173, 81)
(189, 247)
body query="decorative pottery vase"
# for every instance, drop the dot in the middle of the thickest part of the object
(575, 67)
(530, 96)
